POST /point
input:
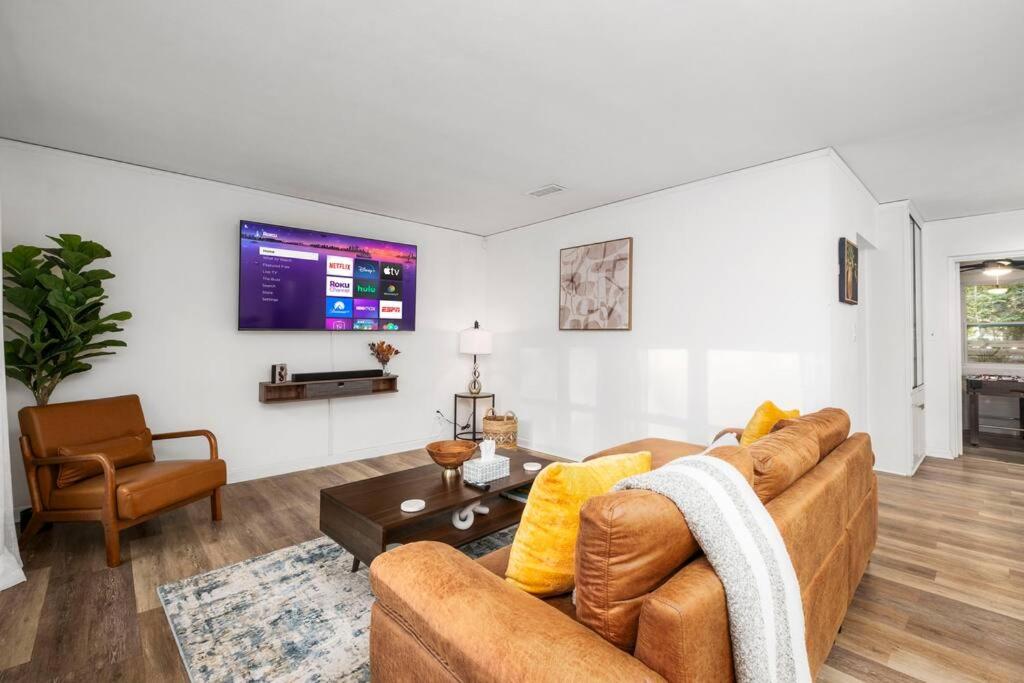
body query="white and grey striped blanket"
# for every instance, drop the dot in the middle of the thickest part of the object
(743, 545)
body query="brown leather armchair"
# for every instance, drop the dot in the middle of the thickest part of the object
(93, 461)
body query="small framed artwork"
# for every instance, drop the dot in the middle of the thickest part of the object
(596, 286)
(848, 275)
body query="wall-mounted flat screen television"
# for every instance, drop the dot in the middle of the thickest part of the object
(296, 279)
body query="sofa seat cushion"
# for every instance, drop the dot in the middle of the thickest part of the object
(662, 451)
(122, 451)
(831, 426)
(144, 488)
(497, 561)
(630, 542)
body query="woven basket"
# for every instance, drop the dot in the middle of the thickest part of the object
(504, 429)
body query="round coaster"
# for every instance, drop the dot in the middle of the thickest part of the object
(414, 505)
(531, 466)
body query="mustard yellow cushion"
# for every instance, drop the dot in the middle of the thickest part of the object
(765, 417)
(542, 555)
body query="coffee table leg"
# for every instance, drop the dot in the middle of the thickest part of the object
(355, 563)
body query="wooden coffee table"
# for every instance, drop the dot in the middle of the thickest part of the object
(364, 517)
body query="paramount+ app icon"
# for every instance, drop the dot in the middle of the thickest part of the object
(367, 289)
(339, 308)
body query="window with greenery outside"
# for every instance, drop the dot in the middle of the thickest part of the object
(994, 324)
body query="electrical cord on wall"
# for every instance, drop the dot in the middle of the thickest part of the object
(452, 422)
(330, 410)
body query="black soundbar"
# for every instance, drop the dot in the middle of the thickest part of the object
(343, 374)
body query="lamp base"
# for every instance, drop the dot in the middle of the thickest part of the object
(474, 385)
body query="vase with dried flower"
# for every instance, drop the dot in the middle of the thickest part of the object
(383, 352)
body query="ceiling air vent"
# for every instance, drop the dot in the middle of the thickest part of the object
(546, 190)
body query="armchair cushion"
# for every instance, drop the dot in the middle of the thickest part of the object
(145, 488)
(122, 451)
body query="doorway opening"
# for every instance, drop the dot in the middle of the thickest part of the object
(992, 355)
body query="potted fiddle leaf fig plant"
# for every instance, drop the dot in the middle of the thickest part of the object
(53, 314)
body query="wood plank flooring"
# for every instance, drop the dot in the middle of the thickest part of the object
(942, 600)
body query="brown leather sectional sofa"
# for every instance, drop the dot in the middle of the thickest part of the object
(647, 605)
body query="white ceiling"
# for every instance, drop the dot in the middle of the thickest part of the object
(448, 112)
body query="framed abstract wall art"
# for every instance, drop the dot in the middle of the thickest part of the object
(596, 286)
(848, 276)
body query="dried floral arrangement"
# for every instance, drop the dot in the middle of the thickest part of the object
(383, 352)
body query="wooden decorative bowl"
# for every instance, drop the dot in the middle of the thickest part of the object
(451, 454)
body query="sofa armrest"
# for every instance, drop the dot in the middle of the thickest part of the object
(479, 628)
(207, 434)
(684, 627)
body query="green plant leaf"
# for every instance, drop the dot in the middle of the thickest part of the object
(50, 281)
(96, 274)
(120, 315)
(67, 240)
(94, 250)
(73, 279)
(28, 300)
(75, 260)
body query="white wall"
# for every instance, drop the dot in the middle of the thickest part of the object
(734, 302)
(945, 243)
(175, 252)
(890, 332)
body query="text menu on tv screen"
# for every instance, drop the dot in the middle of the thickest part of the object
(296, 279)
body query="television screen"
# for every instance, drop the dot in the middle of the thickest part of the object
(295, 279)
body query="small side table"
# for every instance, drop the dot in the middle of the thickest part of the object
(472, 434)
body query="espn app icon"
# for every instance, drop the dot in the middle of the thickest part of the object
(391, 309)
(339, 265)
(339, 286)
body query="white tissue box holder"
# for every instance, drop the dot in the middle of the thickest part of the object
(481, 471)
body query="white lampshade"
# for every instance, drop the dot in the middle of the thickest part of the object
(475, 341)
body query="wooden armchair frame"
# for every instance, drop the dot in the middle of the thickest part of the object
(106, 515)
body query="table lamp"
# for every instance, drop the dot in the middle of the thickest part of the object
(476, 342)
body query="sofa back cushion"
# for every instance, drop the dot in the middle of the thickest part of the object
(629, 543)
(831, 426)
(781, 458)
(122, 451)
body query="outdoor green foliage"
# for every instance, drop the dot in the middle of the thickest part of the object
(982, 307)
(53, 312)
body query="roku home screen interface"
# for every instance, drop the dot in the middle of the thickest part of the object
(293, 279)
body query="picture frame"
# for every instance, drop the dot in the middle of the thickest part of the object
(849, 272)
(596, 286)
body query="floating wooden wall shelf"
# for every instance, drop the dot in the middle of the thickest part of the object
(285, 392)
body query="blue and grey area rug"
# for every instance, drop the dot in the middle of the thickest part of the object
(296, 614)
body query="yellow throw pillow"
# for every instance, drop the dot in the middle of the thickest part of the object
(543, 553)
(765, 417)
